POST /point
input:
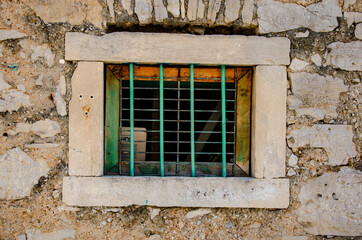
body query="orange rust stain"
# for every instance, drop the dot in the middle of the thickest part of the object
(86, 110)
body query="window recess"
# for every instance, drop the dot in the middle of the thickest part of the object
(167, 120)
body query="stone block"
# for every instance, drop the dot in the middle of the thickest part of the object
(124, 47)
(86, 122)
(10, 34)
(232, 8)
(268, 118)
(335, 139)
(143, 9)
(331, 204)
(176, 191)
(346, 56)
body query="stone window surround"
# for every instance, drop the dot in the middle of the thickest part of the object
(86, 185)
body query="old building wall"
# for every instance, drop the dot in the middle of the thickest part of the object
(323, 142)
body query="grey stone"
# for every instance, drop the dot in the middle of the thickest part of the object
(13, 99)
(127, 5)
(316, 59)
(173, 6)
(336, 140)
(183, 10)
(39, 81)
(302, 34)
(293, 161)
(291, 172)
(3, 84)
(201, 10)
(198, 213)
(21, 237)
(62, 85)
(232, 8)
(177, 48)
(297, 64)
(111, 9)
(45, 128)
(358, 31)
(352, 17)
(192, 10)
(315, 95)
(10, 34)
(1, 50)
(143, 9)
(277, 17)
(160, 11)
(331, 204)
(346, 56)
(42, 145)
(59, 103)
(294, 238)
(19, 173)
(42, 52)
(35, 234)
(214, 7)
(154, 212)
(247, 12)
(181, 192)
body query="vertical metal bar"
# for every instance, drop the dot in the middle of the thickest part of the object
(162, 169)
(131, 103)
(223, 120)
(178, 127)
(120, 128)
(192, 118)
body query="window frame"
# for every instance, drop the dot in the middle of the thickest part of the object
(87, 186)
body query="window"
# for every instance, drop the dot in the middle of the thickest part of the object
(188, 138)
(87, 185)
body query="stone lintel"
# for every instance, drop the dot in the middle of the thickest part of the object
(86, 120)
(268, 122)
(176, 192)
(151, 48)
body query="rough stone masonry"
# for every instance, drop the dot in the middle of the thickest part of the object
(323, 140)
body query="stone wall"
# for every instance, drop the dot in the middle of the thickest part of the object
(323, 142)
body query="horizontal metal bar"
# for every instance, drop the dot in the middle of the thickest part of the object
(172, 131)
(182, 99)
(175, 88)
(206, 153)
(173, 110)
(184, 142)
(178, 163)
(157, 120)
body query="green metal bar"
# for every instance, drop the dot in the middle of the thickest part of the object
(223, 120)
(192, 118)
(131, 100)
(162, 170)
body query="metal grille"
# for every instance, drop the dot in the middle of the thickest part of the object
(176, 126)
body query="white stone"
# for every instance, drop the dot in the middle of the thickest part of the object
(111, 9)
(331, 204)
(247, 12)
(10, 34)
(293, 161)
(302, 34)
(294, 238)
(201, 10)
(358, 31)
(19, 173)
(315, 95)
(192, 10)
(1, 50)
(160, 11)
(352, 17)
(74, 12)
(45, 128)
(181, 192)
(336, 140)
(62, 85)
(42, 145)
(63, 234)
(59, 103)
(21, 87)
(316, 59)
(173, 6)
(127, 5)
(177, 48)
(61, 61)
(346, 56)
(214, 7)
(277, 17)
(183, 10)
(297, 65)
(347, 3)
(13, 99)
(3, 84)
(291, 172)
(154, 212)
(22, 128)
(143, 9)
(39, 81)
(269, 122)
(42, 52)
(21, 237)
(232, 8)
(198, 213)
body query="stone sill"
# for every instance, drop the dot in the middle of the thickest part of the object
(176, 192)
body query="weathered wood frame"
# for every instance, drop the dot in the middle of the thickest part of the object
(86, 185)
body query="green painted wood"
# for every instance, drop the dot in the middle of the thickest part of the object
(112, 122)
(243, 119)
